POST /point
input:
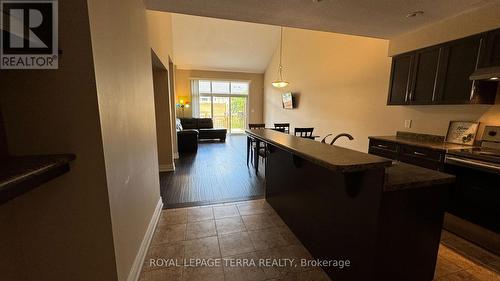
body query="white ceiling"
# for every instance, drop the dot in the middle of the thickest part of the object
(224, 45)
(373, 18)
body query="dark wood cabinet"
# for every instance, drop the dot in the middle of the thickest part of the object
(384, 149)
(458, 61)
(423, 84)
(490, 51)
(416, 155)
(400, 79)
(440, 74)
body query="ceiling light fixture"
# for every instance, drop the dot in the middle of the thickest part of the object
(414, 14)
(280, 83)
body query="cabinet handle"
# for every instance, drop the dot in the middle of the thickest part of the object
(419, 154)
(382, 146)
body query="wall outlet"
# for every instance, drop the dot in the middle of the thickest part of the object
(407, 124)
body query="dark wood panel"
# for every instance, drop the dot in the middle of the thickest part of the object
(385, 235)
(333, 214)
(424, 77)
(458, 61)
(384, 149)
(400, 77)
(3, 138)
(409, 232)
(217, 173)
(416, 155)
(490, 53)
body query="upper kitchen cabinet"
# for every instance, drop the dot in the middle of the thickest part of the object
(413, 77)
(490, 53)
(423, 82)
(458, 61)
(440, 74)
(400, 79)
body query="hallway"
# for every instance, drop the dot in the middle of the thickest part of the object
(217, 173)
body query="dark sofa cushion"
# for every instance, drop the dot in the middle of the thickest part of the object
(189, 123)
(205, 123)
(208, 134)
(187, 140)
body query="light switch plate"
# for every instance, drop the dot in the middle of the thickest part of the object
(407, 124)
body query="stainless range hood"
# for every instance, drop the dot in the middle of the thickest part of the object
(487, 73)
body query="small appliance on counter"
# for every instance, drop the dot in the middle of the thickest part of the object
(474, 207)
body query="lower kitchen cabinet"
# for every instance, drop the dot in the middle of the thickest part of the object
(419, 156)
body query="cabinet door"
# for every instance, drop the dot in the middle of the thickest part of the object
(423, 84)
(400, 79)
(490, 53)
(383, 148)
(458, 61)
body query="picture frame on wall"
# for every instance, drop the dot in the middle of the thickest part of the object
(462, 132)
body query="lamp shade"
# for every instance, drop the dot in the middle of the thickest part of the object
(279, 84)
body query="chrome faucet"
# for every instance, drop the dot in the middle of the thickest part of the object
(337, 137)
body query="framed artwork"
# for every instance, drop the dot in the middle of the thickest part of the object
(462, 132)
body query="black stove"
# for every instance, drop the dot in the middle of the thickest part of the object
(475, 196)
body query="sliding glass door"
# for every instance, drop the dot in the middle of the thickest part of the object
(238, 115)
(226, 102)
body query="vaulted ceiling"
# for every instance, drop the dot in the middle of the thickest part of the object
(242, 35)
(373, 18)
(224, 45)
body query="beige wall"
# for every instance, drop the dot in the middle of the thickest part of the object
(123, 71)
(62, 229)
(163, 118)
(161, 41)
(183, 88)
(160, 34)
(457, 27)
(341, 82)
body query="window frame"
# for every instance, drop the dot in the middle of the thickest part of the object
(229, 95)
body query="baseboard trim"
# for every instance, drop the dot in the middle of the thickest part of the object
(167, 167)
(135, 271)
(176, 155)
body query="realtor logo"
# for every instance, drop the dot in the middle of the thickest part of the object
(29, 34)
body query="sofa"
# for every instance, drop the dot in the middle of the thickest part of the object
(205, 128)
(187, 139)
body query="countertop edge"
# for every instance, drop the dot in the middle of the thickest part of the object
(338, 168)
(406, 176)
(35, 174)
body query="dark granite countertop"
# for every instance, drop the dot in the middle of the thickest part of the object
(405, 176)
(19, 174)
(332, 157)
(443, 146)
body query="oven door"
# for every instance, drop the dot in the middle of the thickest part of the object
(475, 195)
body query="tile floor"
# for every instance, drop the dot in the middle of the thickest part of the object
(252, 231)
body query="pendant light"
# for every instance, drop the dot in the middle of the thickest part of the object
(280, 83)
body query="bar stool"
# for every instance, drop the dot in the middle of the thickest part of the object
(251, 141)
(304, 132)
(284, 126)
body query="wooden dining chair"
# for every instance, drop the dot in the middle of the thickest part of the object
(284, 126)
(304, 132)
(256, 126)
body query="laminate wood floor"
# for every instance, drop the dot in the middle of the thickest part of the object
(217, 173)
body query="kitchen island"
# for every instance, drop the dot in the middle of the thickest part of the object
(347, 205)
